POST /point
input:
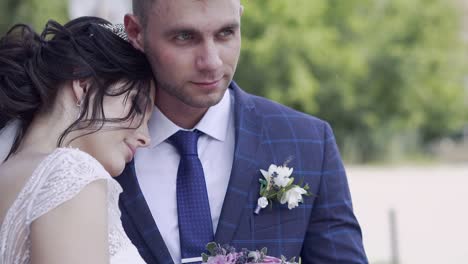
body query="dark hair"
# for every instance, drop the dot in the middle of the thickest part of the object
(33, 67)
(141, 9)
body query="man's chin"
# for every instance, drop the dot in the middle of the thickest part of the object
(194, 96)
(204, 98)
(206, 101)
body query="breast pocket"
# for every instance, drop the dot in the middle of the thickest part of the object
(278, 222)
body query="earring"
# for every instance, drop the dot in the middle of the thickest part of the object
(80, 108)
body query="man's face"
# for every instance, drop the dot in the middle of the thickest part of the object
(193, 46)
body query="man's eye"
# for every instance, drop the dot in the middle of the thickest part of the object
(183, 37)
(226, 33)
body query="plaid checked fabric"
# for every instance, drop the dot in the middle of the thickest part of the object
(323, 229)
(193, 206)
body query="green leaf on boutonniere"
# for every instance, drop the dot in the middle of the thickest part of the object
(204, 257)
(279, 195)
(291, 180)
(211, 248)
(263, 186)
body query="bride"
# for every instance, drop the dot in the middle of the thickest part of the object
(83, 96)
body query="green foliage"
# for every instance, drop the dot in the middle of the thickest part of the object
(387, 74)
(211, 247)
(32, 12)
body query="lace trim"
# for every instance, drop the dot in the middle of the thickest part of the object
(58, 178)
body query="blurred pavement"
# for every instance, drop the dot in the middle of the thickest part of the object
(431, 204)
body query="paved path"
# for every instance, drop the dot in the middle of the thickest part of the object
(431, 204)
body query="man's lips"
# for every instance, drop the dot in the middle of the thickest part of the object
(207, 83)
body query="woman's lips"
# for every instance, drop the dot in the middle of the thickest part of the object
(132, 151)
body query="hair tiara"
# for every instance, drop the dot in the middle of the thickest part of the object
(117, 29)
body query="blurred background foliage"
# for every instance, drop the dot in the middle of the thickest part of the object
(389, 75)
(32, 12)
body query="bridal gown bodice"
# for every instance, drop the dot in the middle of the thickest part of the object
(57, 179)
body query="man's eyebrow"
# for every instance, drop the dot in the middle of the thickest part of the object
(232, 25)
(190, 29)
(180, 29)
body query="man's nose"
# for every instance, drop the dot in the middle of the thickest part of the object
(209, 58)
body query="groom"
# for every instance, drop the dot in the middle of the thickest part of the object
(199, 179)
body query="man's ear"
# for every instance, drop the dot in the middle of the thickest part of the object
(80, 88)
(134, 31)
(241, 10)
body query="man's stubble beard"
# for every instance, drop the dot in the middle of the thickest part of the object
(183, 95)
(177, 91)
(200, 101)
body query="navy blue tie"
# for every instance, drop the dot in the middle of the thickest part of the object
(193, 206)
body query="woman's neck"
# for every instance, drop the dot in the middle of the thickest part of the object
(44, 132)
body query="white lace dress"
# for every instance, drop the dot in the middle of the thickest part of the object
(57, 179)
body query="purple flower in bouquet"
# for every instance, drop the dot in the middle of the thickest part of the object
(220, 259)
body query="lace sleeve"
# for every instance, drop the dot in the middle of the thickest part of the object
(67, 174)
(57, 179)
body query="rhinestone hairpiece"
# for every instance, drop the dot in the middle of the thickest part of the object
(117, 29)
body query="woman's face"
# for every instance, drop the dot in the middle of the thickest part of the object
(115, 144)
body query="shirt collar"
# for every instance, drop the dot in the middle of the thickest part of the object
(215, 122)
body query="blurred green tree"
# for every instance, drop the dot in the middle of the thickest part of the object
(32, 12)
(387, 74)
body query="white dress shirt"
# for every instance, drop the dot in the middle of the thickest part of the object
(156, 167)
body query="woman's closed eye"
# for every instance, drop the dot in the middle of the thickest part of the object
(137, 105)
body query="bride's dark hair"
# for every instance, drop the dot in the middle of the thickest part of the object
(33, 67)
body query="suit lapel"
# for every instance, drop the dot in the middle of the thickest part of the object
(147, 236)
(248, 152)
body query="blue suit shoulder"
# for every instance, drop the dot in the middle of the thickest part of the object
(277, 115)
(309, 141)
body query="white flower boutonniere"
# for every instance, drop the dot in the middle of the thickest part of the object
(279, 185)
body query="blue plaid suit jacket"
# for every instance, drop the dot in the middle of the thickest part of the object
(323, 229)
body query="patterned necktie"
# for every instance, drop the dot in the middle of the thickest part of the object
(193, 207)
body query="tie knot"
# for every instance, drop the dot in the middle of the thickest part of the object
(185, 142)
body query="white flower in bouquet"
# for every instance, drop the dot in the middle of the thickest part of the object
(279, 174)
(293, 197)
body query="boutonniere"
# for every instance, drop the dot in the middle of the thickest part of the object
(278, 185)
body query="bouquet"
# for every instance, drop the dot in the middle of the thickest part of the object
(228, 255)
